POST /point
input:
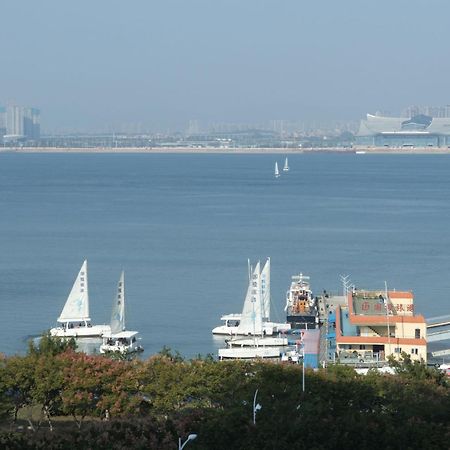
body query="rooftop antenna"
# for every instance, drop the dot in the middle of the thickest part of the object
(346, 284)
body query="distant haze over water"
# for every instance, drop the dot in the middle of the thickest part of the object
(183, 226)
(154, 65)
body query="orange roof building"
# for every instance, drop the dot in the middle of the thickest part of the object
(373, 326)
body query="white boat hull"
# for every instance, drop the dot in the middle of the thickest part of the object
(258, 342)
(81, 332)
(225, 330)
(269, 327)
(249, 353)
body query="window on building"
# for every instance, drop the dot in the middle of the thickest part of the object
(417, 333)
(414, 351)
(397, 350)
(362, 347)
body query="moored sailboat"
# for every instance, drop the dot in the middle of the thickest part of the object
(119, 340)
(254, 313)
(286, 165)
(74, 320)
(262, 308)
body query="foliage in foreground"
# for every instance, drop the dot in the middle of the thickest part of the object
(150, 403)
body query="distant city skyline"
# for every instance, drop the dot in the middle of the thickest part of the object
(17, 122)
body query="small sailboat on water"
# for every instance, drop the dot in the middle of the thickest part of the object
(286, 165)
(74, 320)
(277, 172)
(119, 340)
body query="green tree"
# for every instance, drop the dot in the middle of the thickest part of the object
(17, 383)
(48, 384)
(418, 370)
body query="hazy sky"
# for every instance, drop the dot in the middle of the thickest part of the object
(100, 63)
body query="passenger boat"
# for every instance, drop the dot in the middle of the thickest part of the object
(118, 339)
(74, 320)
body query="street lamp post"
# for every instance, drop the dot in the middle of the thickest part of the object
(256, 407)
(303, 361)
(191, 437)
(386, 295)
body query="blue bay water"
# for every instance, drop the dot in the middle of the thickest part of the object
(183, 226)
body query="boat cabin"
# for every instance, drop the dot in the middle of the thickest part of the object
(72, 324)
(123, 342)
(231, 320)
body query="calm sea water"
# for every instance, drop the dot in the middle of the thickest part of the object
(183, 226)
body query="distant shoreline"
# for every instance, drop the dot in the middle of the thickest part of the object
(227, 151)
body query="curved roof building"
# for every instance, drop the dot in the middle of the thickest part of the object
(418, 131)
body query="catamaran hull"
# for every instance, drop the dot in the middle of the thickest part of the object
(95, 331)
(249, 353)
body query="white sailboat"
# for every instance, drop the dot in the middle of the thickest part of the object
(119, 340)
(286, 165)
(74, 319)
(277, 172)
(256, 309)
(265, 291)
(251, 319)
(232, 321)
(269, 327)
(251, 323)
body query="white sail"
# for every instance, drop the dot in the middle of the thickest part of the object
(286, 165)
(277, 172)
(251, 318)
(118, 309)
(265, 291)
(77, 303)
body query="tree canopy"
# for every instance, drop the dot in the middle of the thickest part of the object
(150, 403)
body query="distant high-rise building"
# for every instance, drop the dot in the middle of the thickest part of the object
(2, 122)
(14, 122)
(277, 126)
(193, 127)
(21, 123)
